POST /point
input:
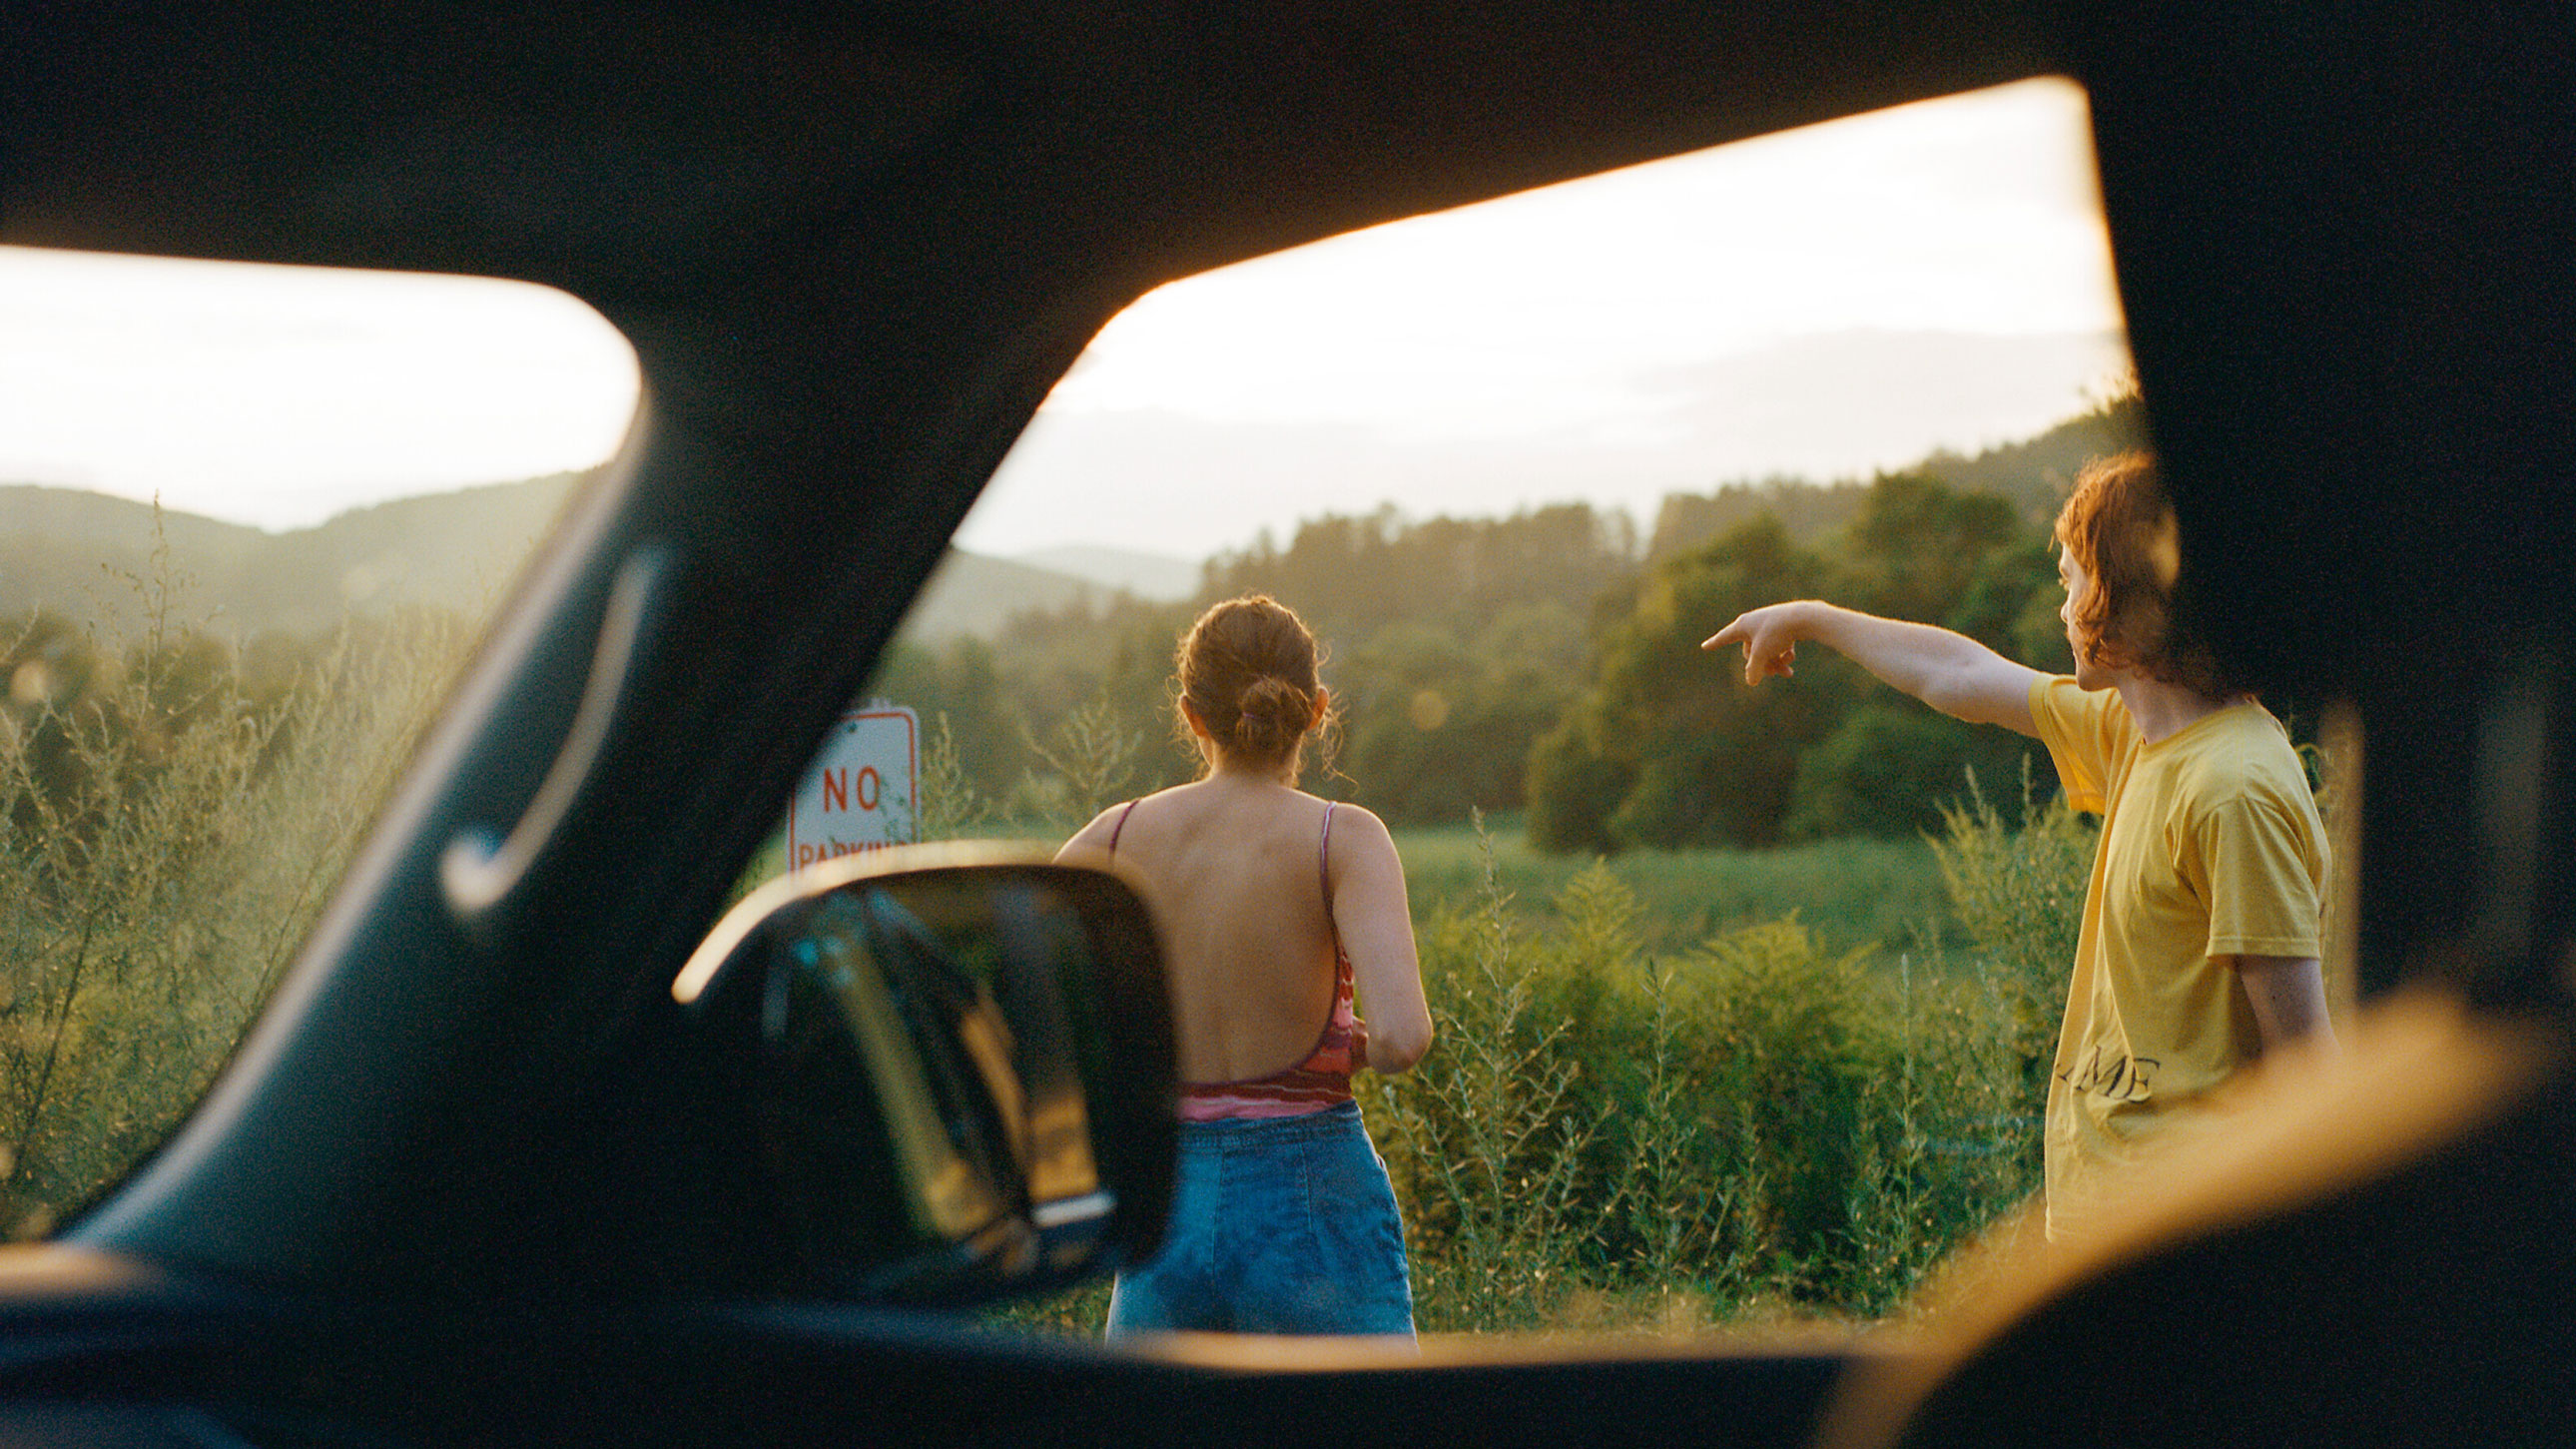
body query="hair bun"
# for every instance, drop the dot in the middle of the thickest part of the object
(1272, 715)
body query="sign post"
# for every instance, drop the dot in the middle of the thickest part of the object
(859, 793)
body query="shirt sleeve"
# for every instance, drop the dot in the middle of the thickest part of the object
(2258, 880)
(2076, 726)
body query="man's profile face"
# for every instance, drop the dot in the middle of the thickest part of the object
(2088, 675)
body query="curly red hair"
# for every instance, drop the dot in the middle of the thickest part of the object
(2119, 528)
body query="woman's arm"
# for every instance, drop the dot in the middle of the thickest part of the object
(1376, 927)
(1090, 844)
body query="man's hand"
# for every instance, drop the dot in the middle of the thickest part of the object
(1770, 638)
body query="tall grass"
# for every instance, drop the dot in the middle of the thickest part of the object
(1759, 1125)
(1670, 1090)
(1850, 892)
(1090, 756)
(1681, 1091)
(167, 835)
(950, 805)
(1486, 1141)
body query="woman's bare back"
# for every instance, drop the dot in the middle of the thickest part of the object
(1237, 870)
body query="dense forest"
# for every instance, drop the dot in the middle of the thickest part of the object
(1544, 665)
(1548, 662)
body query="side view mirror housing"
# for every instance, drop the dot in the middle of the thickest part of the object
(964, 1068)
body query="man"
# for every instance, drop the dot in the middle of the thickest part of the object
(2199, 945)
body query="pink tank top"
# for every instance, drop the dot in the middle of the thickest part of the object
(1323, 1077)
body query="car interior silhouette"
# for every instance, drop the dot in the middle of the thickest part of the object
(528, 1147)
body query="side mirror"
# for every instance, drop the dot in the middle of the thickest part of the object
(964, 1067)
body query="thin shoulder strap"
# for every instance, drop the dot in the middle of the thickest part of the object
(1341, 958)
(1324, 857)
(1121, 827)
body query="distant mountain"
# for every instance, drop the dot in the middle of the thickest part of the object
(1850, 404)
(2035, 474)
(1155, 576)
(972, 594)
(77, 552)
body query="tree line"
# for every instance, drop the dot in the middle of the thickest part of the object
(1548, 662)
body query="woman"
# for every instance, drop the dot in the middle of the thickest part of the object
(1274, 906)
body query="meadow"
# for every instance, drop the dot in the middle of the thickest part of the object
(172, 821)
(1673, 1089)
(1684, 1091)
(1850, 892)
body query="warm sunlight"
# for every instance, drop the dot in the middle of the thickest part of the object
(280, 396)
(1973, 214)
(1824, 302)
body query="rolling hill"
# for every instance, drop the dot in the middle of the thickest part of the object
(85, 554)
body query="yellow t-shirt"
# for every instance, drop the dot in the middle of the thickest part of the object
(2211, 848)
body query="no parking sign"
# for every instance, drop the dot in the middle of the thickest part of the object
(859, 793)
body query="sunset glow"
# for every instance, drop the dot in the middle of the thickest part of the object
(1581, 334)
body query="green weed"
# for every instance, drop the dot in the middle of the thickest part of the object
(1484, 1139)
(1759, 1127)
(2019, 898)
(1091, 755)
(951, 806)
(171, 820)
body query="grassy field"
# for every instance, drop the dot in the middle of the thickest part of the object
(1680, 1091)
(1684, 1091)
(1850, 893)
(1673, 1089)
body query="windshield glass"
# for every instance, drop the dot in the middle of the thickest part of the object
(252, 520)
(1744, 999)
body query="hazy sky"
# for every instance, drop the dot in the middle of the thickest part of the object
(1610, 338)
(280, 396)
(1976, 214)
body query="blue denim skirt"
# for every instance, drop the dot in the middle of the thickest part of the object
(1279, 1225)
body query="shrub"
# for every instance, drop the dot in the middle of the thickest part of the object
(1574, 784)
(167, 834)
(1482, 1138)
(1889, 770)
(1605, 1137)
(2019, 898)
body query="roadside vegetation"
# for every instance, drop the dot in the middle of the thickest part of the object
(1776, 1121)
(173, 810)
(1745, 1001)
